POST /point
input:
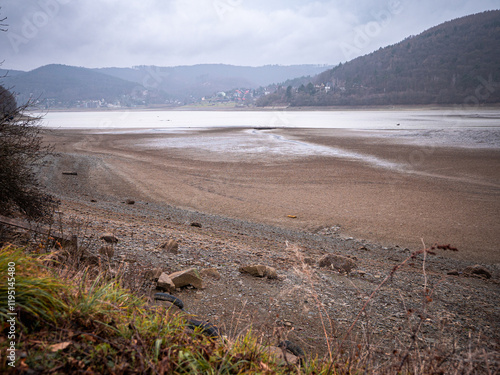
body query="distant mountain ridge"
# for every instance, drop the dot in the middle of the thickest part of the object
(457, 62)
(206, 79)
(68, 86)
(52, 84)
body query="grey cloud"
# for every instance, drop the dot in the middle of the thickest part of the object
(98, 33)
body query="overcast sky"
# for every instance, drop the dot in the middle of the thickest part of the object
(125, 33)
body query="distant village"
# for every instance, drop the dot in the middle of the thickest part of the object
(239, 97)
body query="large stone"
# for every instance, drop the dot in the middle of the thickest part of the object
(187, 277)
(171, 246)
(478, 271)
(153, 274)
(109, 238)
(259, 270)
(271, 273)
(337, 262)
(165, 283)
(210, 272)
(282, 354)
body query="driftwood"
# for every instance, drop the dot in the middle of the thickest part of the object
(64, 240)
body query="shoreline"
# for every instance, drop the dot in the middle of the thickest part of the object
(415, 107)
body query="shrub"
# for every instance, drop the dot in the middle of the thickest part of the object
(21, 151)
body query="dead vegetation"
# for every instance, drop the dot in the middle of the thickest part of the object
(79, 314)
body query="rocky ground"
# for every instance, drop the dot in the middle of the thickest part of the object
(397, 301)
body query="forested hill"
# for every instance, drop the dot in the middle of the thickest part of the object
(55, 83)
(455, 62)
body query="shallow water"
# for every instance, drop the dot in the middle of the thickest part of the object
(354, 119)
(188, 130)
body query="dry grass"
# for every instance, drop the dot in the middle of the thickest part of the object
(358, 350)
(79, 315)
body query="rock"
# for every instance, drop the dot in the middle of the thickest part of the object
(211, 272)
(453, 273)
(257, 271)
(477, 270)
(337, 262)
(70, 173)
(195, 224)
(260, 271)
(130, 201)
(153, 274)
(109, 238)
(171, 246)
(271, 273)
(108, 251)
(165, 283)
(281, 354)
(187, 277)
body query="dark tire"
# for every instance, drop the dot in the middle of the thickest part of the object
(206, 328)
(167, 297)
(292, 348)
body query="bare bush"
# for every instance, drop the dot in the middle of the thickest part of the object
(21, 151)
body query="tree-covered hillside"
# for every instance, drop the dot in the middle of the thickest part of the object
(62, 85)
(455, 62)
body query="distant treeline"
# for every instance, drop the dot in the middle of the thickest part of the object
(455, 62)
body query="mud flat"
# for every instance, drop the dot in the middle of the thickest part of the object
(380, 187)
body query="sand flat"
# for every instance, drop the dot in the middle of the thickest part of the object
(380, 189)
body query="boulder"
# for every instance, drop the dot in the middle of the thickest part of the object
(478, 271)
(171, 246)
(130, 201)
(282, 355)
(211, 272)
(153, 274)
(337, 262)
(260, 270)
(195, 224)
(187, 277)
(107, 251)
(109, 238)
(165, 283)
(453, 273)
(271, 273)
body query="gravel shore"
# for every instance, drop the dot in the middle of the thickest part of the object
(245, 220)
